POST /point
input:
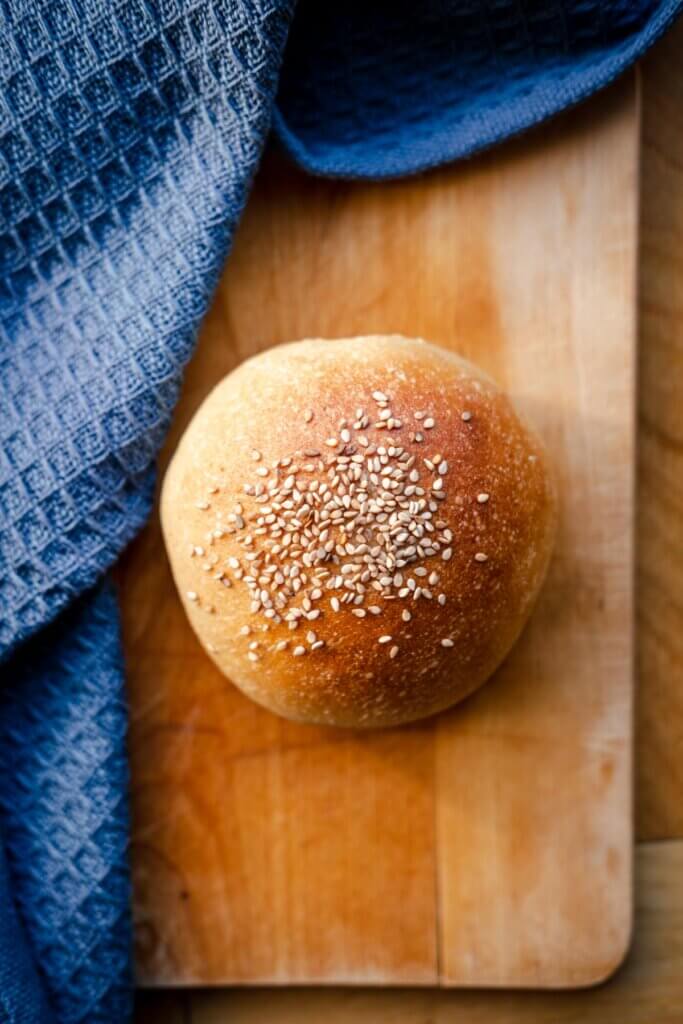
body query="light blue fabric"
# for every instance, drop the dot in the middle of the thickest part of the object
(129, 134)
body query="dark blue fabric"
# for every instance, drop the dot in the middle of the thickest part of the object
(390, 87)
(129, 133)
(23, 999)
(63, 800)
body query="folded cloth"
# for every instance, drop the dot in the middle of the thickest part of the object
(64, 808)
(386, 88)
(129, 134)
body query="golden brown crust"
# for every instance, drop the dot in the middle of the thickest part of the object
(352, 680)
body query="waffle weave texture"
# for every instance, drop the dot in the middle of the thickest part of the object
(386, 88)
(129, 133)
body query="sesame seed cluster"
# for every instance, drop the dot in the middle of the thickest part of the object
(341, 527)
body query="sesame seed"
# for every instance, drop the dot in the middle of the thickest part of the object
(393, 652)
(419, 415)
(441, 599)
(482, 498)
(466, 416)
(447, 554)
(317, 645)
(428, 423)
(192, 595)
(447, 642)
(481, 557)
(298, 651)
(202, 505)
(385, 639)
(256, 455)
(252, 655)
(351, 519)
(308, 415)
(245, 630)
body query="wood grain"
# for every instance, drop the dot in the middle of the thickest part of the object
(491, 845)
(651, 984)
(648, 988)
(660, 463)
(534, 772)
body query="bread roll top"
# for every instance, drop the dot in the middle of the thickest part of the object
(358, 528)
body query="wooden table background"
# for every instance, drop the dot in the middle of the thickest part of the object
(649, 987)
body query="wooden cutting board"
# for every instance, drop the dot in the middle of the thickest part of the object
(491, 845)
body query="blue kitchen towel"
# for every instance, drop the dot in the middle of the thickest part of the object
(391, 87)
(129, 134)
